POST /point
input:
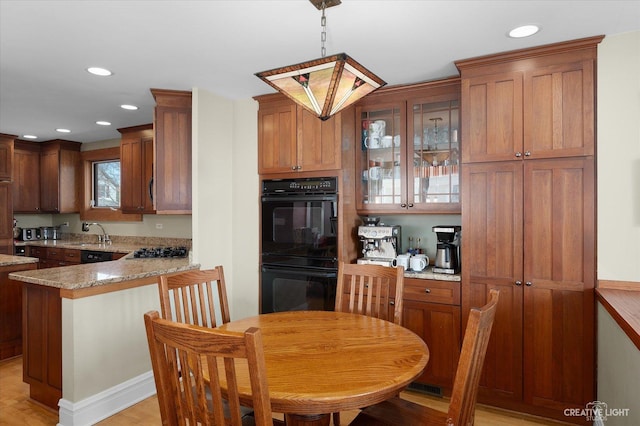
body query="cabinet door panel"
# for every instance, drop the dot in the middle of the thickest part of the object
(492, 117)
(559, 110)
(439, 327)
(277, 139)
(26, 181)
(6, 157)
(560, 254)
(49, 181)
(318, 142)
(131, 161)
(492, 253)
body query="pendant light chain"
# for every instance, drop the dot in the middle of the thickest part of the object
(323, 34)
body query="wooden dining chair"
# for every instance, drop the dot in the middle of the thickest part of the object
(193, 400)
(369, 290)
(399, 412)
(192, 297)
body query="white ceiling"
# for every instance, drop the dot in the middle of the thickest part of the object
(45, 47)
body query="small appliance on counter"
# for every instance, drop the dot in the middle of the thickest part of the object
(448, 247)
(380, 243)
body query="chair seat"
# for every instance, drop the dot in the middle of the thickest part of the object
(399, 412)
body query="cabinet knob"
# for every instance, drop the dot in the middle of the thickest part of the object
(410, 205)
(518, 283)
(427, 290)
(392, 302)
(403, 205)
(528, 283)
(527, 153)
(294, 167)
(518, 154)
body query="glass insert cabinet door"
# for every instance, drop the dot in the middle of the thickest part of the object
(434, 152)
(381, 158)
(408, 157)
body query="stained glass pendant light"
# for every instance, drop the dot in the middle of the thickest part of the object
(326, 85)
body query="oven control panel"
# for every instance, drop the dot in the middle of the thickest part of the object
(324, 185)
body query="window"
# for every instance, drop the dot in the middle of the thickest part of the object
(106, 184)
(101, 186)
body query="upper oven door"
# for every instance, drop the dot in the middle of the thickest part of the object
(299, 225)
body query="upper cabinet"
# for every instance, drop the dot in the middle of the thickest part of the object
(26, 177)
(172, 147)
(60, 176)
(291, 139)
(6, 157)
(136, 159)
(408, 155)
(539, 106)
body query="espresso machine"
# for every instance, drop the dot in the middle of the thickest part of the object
(448, 249)
(380, 243)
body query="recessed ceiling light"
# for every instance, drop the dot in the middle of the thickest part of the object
(524, 31)
(29, 136)
(102, 72)
(63, 130)
(103, 123)
(129, 107)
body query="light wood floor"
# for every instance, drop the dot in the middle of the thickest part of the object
(17, 409)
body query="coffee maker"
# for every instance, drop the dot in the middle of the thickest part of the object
(380, 243)
(448, 249)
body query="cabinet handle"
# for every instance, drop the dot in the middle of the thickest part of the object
(403, 205)
(528, 283)
(518, 283)
(293, 167)
(427, 290)
(410, 204)
(527, 153)
(392, 302)
(518, 154)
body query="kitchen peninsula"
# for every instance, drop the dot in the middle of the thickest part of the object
(85, 348)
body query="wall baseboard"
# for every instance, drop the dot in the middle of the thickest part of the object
(106, 403)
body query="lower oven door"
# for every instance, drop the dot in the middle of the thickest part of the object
(296, 289)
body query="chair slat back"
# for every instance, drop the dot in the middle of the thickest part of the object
(369, 290)
(472, 355)
(193, 297)
(190, 398)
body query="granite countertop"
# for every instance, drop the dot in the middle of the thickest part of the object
(117, 247)
(98, 274)
(428, 274)
(9, 260)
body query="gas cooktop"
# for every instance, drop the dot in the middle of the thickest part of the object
(161, 252)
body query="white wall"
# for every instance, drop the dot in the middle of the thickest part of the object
(225, 187)
(619, 157)
(618, 214)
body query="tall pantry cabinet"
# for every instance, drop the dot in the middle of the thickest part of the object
(528, 217)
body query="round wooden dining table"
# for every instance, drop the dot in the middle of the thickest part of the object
(320, 362)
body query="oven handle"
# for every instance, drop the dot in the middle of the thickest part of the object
(297, 198)
(297, 271)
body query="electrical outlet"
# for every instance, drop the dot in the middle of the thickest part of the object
(158, 226)
(65, 224)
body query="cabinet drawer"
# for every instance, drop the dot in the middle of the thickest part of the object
(72, 255)
(55, 253)
(36, 251)
(433, 291)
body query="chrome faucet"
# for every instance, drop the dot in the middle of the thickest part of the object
(104, 238)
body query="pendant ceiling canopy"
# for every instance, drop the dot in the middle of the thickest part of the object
(326, 85)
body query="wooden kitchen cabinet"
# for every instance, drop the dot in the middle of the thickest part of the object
(172, 147)
(6, 156)
(431, 309)
(535, 103)
(529, 223)
(11, 311)
(136, 162)
(6, 196)
(291, 139)
(42, 343)
(408, 156)
(26, 177)
(60, 176)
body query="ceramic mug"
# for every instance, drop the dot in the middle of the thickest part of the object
(375, 173)
(373, 141)
(418, 263)
(387, 141)
(403, 260)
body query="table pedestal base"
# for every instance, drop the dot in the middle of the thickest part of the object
(307, 420)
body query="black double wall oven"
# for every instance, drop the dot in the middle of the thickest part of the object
(299, 259)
